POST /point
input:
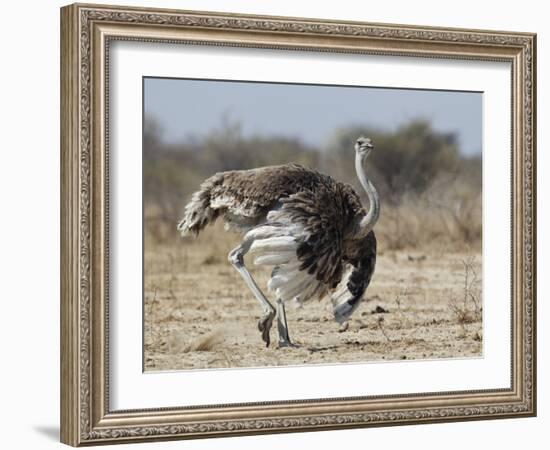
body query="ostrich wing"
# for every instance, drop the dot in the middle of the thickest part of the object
(324, 217)
(347, 297)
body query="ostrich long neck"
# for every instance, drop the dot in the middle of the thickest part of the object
(367, 222)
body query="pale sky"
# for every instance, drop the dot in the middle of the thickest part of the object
(312, 113)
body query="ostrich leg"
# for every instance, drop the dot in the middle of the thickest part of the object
(236, 258)
(282, 327)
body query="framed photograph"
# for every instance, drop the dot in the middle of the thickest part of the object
(276, 224)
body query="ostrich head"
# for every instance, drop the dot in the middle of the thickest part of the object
(363, 147)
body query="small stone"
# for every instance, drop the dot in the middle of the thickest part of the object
(344, 327)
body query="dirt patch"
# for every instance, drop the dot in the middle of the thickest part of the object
(199, 314)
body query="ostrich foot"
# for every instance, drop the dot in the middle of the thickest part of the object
(284, 344)
(264, 325)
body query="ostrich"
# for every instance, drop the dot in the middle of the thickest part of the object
(312, 229)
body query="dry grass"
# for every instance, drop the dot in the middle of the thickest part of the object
(447, 215)
(451, 221)
(206, 343)
(466, 305)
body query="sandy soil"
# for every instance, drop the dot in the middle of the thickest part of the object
(199, 314)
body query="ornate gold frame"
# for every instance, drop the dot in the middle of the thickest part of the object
(86, 31)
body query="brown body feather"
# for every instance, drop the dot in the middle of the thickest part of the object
(258, 190)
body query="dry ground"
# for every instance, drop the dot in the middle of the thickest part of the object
(199, 314)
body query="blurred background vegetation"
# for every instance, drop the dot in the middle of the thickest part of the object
(430, 192)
